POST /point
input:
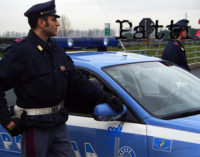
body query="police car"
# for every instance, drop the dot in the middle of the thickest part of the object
(161, 115)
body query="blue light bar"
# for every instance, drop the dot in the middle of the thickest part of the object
(70, 43)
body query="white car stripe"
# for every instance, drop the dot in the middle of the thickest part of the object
(134, 128)
(173, 134)
(89, 122)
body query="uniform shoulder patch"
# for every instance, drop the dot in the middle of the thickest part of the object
(19, 40)
(176, 43)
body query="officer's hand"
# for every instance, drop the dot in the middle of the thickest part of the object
(115, 103)
(13, 125)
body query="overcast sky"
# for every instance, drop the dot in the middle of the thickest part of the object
(91, 14)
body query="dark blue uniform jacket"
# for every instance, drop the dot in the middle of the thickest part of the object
(175, 53)
(41, 74)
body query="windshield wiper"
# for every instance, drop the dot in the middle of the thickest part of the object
(182, 114)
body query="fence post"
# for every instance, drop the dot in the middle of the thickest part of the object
(195, 53)
(156, 52)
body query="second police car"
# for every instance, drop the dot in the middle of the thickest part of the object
(161, 115)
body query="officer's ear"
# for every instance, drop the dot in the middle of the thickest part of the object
(41, 23)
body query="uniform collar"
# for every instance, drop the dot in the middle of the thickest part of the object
(180, 43)
(39, 43)
(175, 40)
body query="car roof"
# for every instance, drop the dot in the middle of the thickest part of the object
(103, 59)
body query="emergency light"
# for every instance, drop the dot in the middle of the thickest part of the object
(73, 43)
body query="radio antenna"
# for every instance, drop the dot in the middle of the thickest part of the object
(125, 52)
(103, 10)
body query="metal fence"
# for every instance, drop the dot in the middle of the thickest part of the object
(3, 46)
(192, 53)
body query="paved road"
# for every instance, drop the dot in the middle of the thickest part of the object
(196, 72)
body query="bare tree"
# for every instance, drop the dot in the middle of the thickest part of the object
(64, 28)
(13, 34)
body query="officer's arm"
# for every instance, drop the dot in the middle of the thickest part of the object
(10, 66)
(84, 87)
(183, 60)
(91, 91)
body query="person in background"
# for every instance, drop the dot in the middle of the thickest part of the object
(174, 50)
(42, 75)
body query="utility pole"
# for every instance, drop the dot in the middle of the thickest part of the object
(186, 16)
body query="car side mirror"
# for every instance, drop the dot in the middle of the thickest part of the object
(103, 112)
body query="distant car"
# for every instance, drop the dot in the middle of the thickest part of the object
(162, 103)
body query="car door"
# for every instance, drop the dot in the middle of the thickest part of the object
(91, 138)
(9, 146)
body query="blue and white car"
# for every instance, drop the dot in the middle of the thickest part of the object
(162, 103)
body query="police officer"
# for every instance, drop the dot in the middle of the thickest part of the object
(174, 50)
(42, 75)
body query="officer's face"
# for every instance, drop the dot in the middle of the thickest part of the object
(184, 33)
(51, 26)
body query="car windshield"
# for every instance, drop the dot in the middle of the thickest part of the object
(161, 88)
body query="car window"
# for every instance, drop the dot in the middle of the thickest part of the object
(83, 108)
(11, 97)
(160, 88)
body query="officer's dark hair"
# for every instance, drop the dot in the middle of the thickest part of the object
(33, 21)
(176, 33)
